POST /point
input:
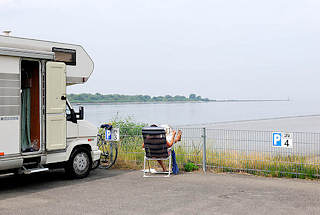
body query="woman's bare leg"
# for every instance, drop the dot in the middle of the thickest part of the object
(162, 165)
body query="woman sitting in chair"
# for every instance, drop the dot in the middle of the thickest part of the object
(171, 138)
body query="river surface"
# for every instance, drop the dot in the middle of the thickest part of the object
(179, 114)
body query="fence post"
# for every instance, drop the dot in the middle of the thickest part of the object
(204, 151)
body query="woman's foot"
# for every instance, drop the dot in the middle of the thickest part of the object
(179, 135)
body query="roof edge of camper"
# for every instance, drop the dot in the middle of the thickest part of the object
(79, 65)
(26, 53)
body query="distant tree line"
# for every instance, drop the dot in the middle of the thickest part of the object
(100, 98)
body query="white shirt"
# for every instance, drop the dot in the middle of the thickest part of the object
(169, 137)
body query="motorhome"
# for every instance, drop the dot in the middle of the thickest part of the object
(39, 128)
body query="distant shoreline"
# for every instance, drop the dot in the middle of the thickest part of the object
(88, 98)
(153, 102)
(252, 100)
(182, 102)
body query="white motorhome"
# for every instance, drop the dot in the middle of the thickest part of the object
(39, 129)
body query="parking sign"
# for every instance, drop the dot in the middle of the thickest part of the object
(283, 140)
(113, 134)
(276, 140)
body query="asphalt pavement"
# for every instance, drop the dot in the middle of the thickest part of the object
(127, 192)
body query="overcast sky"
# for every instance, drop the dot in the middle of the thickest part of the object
(214, 48)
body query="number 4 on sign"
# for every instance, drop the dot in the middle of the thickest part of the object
(286, 143)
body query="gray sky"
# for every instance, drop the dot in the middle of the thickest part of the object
(214, 48)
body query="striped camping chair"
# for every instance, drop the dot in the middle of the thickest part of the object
(155, 146)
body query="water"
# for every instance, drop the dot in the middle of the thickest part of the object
(178, 114)
(193, 114)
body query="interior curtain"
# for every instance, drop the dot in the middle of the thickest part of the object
(25, 119)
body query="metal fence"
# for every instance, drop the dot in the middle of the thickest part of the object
(234, 151)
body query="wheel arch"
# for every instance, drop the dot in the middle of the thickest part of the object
(85, 147)
(75, 145)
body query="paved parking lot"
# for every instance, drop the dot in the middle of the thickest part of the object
(126, 192)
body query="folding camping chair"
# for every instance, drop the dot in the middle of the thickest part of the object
(155, 146)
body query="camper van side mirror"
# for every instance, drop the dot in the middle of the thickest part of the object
(80, 114)
(72, 116)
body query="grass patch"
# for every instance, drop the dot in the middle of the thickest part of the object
(131, 155)
(190, 166)
(263, 164)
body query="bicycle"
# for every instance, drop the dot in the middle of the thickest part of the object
(109, 149)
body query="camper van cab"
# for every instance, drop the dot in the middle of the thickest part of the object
(39, 128)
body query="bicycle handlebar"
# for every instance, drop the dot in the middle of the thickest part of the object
(106, 126)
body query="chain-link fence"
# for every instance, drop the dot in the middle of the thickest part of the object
(234, 151)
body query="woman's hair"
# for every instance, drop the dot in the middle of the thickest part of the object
(153, 125)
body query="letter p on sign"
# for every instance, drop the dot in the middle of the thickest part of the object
(276, 139)
(108, 135)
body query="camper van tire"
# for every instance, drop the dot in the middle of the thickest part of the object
(79, 163)
(95, 164)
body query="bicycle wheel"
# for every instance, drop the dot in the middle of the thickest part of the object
(109, 154)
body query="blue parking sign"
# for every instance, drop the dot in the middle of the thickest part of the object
(108, 135)
(276, 139)
(113, 134)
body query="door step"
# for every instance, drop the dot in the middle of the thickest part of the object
(34, 170)
(30, 163)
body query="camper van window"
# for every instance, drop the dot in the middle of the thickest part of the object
(67, 56)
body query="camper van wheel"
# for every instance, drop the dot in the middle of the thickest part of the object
(79, 164)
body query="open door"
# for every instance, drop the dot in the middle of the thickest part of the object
(56, 106)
